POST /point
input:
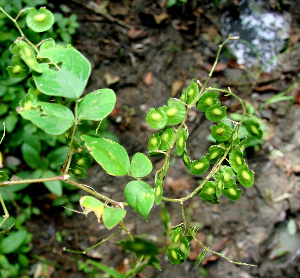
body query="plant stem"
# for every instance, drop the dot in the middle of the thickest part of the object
(8, 183)
(125, 229)
(6, 214)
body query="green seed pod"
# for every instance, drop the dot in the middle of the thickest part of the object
(236, 159)
(157, 119)
(78, 172)
(167, 138)
(191, 92)
(176, 111)
(154, 142)
(82, 160)
(245, 177)
(40, 20)
(207, 99)
(215, 152)
(232, 193)
(215, 112)
(208, 192)
(200, 166)
(180, 142)
(18, 68)
(222, 132)
(186, 160)
(253, 129)
(28, 56)
(158, 188)
(228, 175)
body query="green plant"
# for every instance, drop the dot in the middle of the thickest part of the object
(172, 3)
(54, 104)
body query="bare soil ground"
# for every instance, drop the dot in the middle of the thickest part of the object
(148, 64)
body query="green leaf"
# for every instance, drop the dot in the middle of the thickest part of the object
(139, 246)
(140, 197)
(57, 157)
(97, 105)
(31, 156)
(157, 119)
(71, 78)
(13, 241)
(141, 166)
(111, 272)
(54, 187)
(112, 216)
(215, 112)
(191, 92)
(109, 154)
(245, 177)
(3, 176)
(47, 43)
(175, 111)
(40, 20)
(200, 257)
(52, 118)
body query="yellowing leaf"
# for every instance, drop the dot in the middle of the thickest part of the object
(89, 204)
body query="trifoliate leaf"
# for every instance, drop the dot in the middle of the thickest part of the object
(167, 137)
(186, 160)
(78, 172)
(18, 68)
(236, 159)
(222, 132)
(157, 119)
(215, 112)
(28, 56)
(215, 152)
(40, 20)
(180, 142)
(254, 129)
(200, 166)
(245, 177)
(176, 111)
(207, 99)
(154, 142)
(208, 192)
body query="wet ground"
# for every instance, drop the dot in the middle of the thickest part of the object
(147, 54)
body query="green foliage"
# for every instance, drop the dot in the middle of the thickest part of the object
(54, 104)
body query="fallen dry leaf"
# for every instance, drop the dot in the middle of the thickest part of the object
(137, 34)
(160, 18)
(176, 86)
(148, 78)
(268, 87)
(111, 79)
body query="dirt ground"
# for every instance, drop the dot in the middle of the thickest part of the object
(147, 54)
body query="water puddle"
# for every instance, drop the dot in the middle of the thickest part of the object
(263, 34)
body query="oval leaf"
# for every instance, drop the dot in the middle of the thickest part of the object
(97, 105)
(71, 77)
(13, 241)
(112, 216)
(109, 154)
(141, 166)
(53, 118)
(140, 197)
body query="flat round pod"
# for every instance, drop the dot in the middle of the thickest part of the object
(222, 132)
(219, 186)
(253, 129)
(200, 166)
(215, 112)
(208, 192)
(82, 160)
(40, 20)
(48, 43)
(232, 193)
(228, 175)
(236, 159)
(176, 111)
(78, 172)
(154, 142)
(167, 137)
(215, 152)
(157, 119)
(186, 160)
(180, 142)
(18, 68)
(245, 176)
(191, 92)
(207, 99)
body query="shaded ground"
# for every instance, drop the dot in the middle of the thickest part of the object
(146, 66)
